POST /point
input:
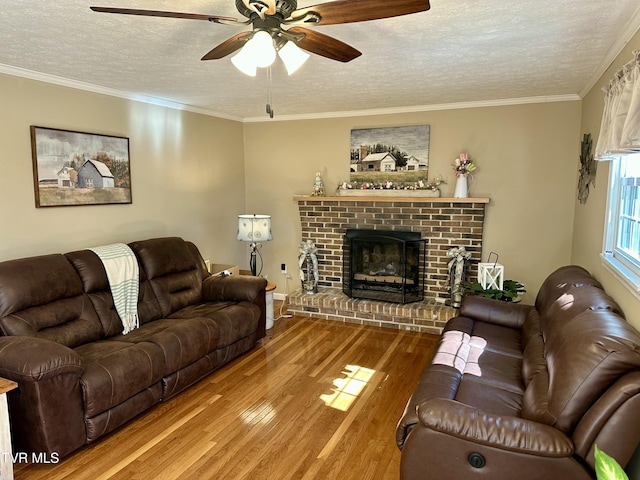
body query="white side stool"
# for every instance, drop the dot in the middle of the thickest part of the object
(6, 465)
(269, 303)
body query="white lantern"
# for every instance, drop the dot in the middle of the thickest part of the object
(491, 274)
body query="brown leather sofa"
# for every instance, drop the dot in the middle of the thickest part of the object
(79, 378)
(525, 392)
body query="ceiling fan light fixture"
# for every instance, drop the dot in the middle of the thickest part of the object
(244, 62)
(292, 56)
(261, 49)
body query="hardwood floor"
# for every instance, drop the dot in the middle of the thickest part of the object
(315, 400)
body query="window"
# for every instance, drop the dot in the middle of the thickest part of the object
(622, 231)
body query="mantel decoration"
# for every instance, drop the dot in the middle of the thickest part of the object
(318, 186)
(463, 166)
(420, 188)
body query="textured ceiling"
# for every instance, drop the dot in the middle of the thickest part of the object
(459, 51)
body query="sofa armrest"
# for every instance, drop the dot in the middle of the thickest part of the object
(31, 359)
(47, 410)
(503, 432)
(493, 311)
(233, 288)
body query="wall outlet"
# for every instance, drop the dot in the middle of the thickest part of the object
(283, 268)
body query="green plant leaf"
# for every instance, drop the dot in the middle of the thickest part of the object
(607, 468)
(510, 292)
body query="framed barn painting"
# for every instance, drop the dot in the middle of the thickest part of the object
(391, 154)
(75, 168)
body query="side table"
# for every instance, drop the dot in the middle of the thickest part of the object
(6, 459)
(217, 268)
(269, 303)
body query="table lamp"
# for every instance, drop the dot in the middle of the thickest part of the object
(255, 229)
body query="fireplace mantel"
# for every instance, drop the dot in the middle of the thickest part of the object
(399, 199)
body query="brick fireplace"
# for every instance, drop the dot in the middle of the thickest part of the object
(443, 222)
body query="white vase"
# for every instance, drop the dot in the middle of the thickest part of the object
(462, 190)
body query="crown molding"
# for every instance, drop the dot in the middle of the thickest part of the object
(418, 108)
(90, 87)
(633, 26)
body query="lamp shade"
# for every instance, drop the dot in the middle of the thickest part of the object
(292, 56)
(244, 62)
(254, 228)
(262, 49)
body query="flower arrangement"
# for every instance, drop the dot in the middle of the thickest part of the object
(463, 165)
(389, 185)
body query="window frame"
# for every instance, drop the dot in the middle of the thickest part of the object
(622, 265)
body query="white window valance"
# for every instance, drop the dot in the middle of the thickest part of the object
(620, 129)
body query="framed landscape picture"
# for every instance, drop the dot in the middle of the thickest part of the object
(391, 154)
(76, 168)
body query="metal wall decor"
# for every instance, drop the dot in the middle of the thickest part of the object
(588, 168)
(308, 264)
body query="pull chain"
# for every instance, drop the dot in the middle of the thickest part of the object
(270, 111)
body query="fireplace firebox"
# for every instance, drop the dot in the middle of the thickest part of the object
(384, 265)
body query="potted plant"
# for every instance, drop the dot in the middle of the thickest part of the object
(607, 468)
(510, 292)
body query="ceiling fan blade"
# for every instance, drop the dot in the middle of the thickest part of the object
(228, 46)
(324, 45)
(349, 11)
(158, 13)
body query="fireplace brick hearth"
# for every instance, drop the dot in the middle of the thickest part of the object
(443, 222)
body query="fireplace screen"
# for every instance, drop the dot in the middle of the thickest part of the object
(384, 265)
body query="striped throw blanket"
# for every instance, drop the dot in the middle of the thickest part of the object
(121, 266)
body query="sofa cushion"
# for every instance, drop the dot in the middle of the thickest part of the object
(559, 281)
(116, 371)
(573, 301)
(96, 285)
(492, 399)
(172, 270)
(533, 360)
(490, 380)
(164, 256)
(235, 321)
(495, 338)
(535, 402)
(182, 342)
(43, 297)
(594, 349)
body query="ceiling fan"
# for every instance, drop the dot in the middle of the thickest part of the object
(279, 23)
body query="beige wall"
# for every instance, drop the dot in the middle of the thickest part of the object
(527, 159)
(187, 174)
(190, 173)
(590, 218)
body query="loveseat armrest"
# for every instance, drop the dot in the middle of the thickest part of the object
(494, 311)
(233, 288)
(32, 359)
(498, 431)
